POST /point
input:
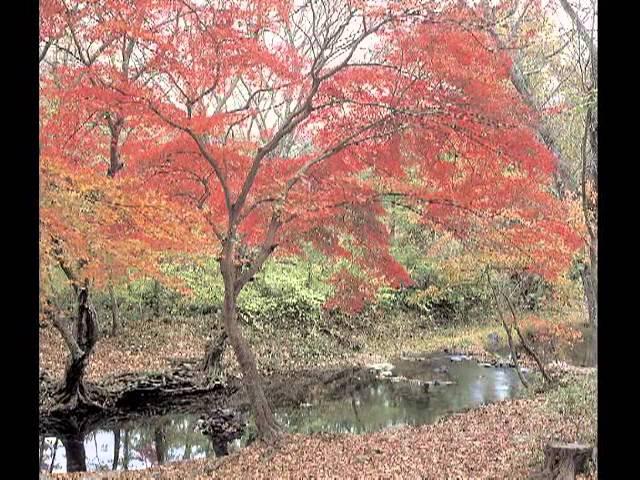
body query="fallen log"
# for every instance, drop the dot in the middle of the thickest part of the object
(131, 390)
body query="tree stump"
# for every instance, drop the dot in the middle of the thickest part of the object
(212, 364)
(221, 426)
(563, 460)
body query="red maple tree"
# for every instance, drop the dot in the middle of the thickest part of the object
(286, 123)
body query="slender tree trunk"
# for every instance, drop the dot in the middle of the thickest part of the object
(41, 452)
(309, 275)
(156, 299)
(590, 288)
(589, 276)
(524, 342)
(187, 449)
(268, 428)
(590, 210)
(115, 323)
(507, 330)
(355, 409)
(116, 449)
(53, 454)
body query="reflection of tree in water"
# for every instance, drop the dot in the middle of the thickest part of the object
(71, 439)
(382, 404)
(49, 453)
(142, 445)
(220, 448)
(187, 448)
(41, 452)
(125, 453)
(362, 407)
(367, 409)
(135, 444)
(116, 449)
(354, 406)
(163, 439)
(184, 435)
(159, 442)
(74, 449)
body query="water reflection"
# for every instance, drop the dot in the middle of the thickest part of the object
(371, 405)
(135, 445)
(386, 404)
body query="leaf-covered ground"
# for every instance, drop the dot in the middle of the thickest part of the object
(141, 347)
(151, 345)
(498, 441)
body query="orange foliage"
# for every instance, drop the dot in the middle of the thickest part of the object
(108, 225)
(547, 331)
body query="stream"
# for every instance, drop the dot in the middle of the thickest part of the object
(388, 399)
(411, 390)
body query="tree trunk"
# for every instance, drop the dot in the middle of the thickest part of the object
(74, 449)
(73, 389)
(266, 425)
(187, 448)
(309, 274)
(219, 448)
(156, 299)
(589, 276)
(524, 342)
(115, 123)
(80, 339)
(213, 356)
(53, 454)
(563, 460)
(115, 323)
(507, 330)
(116, 449)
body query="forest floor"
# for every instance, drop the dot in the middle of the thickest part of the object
(502, 440)
(155, 345)
(499, 441)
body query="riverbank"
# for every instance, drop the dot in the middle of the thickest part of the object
(156, 346)
(501, 440)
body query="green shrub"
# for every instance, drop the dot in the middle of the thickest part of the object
(577, 399)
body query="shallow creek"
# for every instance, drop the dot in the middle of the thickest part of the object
(411, 390)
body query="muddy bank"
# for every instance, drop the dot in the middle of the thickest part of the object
(185, 389)
(290, 389)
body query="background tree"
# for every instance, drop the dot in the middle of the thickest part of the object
(90, 232)
(555, 57)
